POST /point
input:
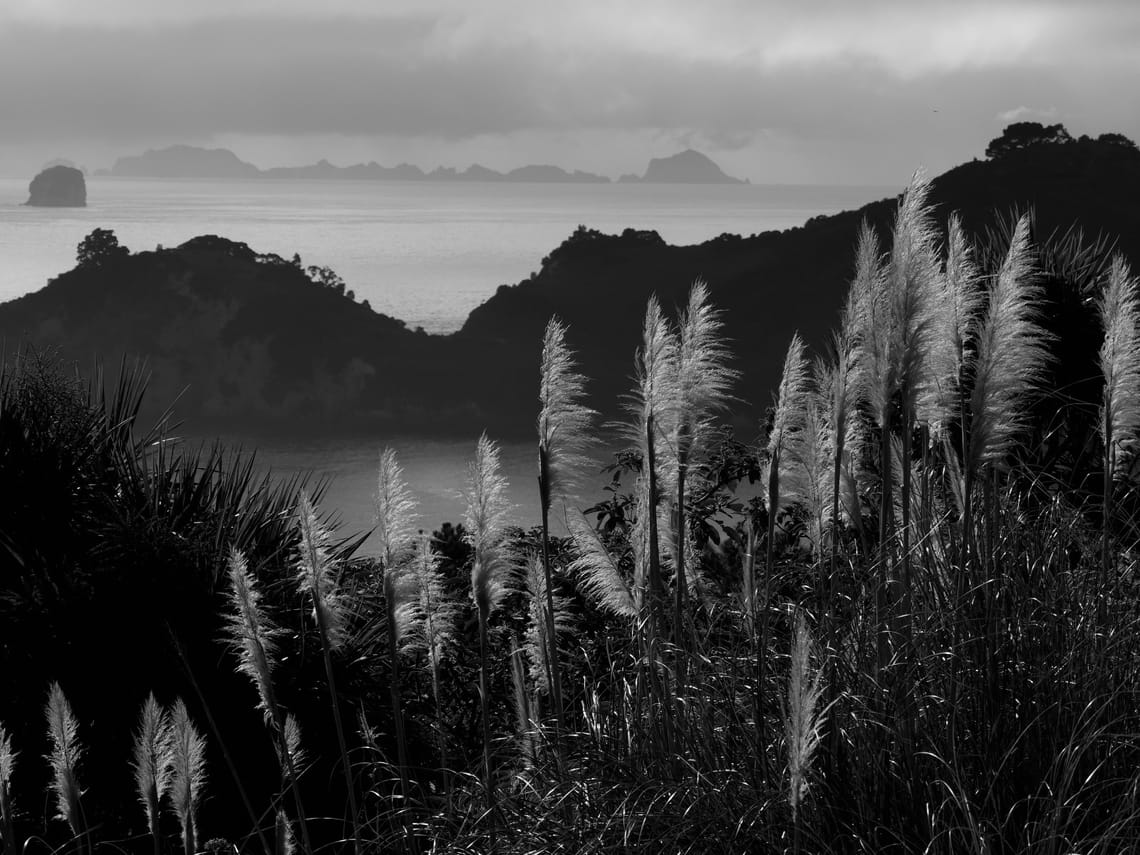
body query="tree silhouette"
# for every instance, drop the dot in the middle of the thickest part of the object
(1022, 135)
(99, 247)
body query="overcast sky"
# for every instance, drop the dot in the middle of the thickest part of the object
(819, 92)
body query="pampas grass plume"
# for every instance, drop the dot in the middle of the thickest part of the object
(188, 760)
(564, 421)
(250, 633)
(803, 715)
(599, 577)
(315, 574)
(1119, 308)
(66, 754)
(485, 519)
(395, 511)
(1012, 352)
(152, 759)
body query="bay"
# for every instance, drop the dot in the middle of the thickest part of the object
(427, 253)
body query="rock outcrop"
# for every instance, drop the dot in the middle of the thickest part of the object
(58, 187)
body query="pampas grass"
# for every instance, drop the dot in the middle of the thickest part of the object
(803, 719)
(7, 766)
(599, 577)
(188, 773)
(315, 575)
(66, 753)
(486, 521)
(253, 637)
(1012, 351)
(704, 387)
(537, 644)
(152, 763)
(1119, 309)
(564, 434)
(654, 403)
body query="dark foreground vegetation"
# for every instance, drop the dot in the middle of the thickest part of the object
(923, 639)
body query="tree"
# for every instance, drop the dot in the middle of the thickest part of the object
(326, 277)
(1116, 139)
(99, 247)
(1022, 135)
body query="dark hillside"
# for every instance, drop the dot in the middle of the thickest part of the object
(251, 340)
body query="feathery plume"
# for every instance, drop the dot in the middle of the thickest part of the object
(963, 301)
(1119, 308)
(283, 833)
(915, 291)
(293, 741)
(7, 766)
(66, 754)
(188, 779)
(783, 466)
(250, 633)
(315, 574)
(704, 380)
(437, 614)
(803, 715)
(486, 522)
(537, 644)
(564, 422)
(395, 511)
(1011, 355)
(152, 759)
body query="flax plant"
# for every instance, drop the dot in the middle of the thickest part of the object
(564, 435)
(7, 766)
(1119, 309)
(66, 753)
(188, 773)
(315, 577)
(252, 636)
(486, 522)
(152, 764)
(703, 390)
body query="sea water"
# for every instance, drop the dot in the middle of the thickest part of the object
(424, 252)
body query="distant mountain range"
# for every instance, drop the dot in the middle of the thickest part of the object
(184, 161)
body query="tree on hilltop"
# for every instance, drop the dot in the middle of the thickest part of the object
(99, 247)
(1022, 135)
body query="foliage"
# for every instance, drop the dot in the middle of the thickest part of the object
(1022, 135)
(100, 247)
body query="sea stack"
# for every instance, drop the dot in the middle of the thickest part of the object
(58, 187)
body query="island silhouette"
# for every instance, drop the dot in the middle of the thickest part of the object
(185, 161)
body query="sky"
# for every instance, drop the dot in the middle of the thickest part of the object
(801, 91)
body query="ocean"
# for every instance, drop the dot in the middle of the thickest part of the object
(427, 253)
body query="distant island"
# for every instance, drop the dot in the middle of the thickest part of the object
(58, 187)
(184, 161)
(686, 167)
(246, 339)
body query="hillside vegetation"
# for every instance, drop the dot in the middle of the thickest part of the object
(249, 340)
(922, 638)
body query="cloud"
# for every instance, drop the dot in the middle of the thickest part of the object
(731, 75)
(1023, 113)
